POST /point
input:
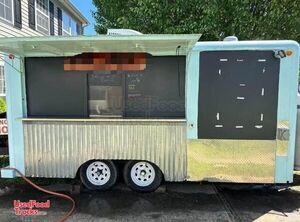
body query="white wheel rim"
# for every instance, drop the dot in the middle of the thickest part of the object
(98, 173)
(142, 174)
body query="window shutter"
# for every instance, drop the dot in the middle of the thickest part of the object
(59, 16)
(51, 10)
(17, 14)
(31, 13)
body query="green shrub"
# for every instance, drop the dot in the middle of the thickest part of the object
(2, 105)
(4, 161)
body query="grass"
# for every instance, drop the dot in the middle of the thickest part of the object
(4, 161)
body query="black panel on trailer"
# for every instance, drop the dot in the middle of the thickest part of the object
(53, 92)
(238, 95)
(159, 90)
(156, 92)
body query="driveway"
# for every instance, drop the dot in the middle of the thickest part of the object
(172, 202)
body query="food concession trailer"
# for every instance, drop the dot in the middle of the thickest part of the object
(168, 106)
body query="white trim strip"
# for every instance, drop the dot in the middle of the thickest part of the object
(239, 127)
(223, 60)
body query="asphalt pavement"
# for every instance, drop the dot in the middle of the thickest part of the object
(172, 202)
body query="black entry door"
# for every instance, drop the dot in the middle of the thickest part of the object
(238, 95)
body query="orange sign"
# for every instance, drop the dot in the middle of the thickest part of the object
(106, 62)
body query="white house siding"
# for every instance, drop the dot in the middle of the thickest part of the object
(8, 30)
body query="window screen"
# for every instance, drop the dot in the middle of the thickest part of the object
(152, 91)
(52, 92)
(158, 91)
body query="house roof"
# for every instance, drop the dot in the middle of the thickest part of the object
(54, 46)
(76, 13)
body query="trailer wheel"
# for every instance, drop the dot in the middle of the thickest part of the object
(142, 176)
(98, 174)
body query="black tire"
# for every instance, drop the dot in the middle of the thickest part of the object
(104, 184)
(157, 178)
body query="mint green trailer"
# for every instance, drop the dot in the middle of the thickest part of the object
(234, 127)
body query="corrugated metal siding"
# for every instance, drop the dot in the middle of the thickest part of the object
(57, 149)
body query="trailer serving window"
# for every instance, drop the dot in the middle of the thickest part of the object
(153, 88)
(98, 85)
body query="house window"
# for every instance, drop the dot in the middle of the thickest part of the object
(6, 10)
(69, 25)
(66, 20)
(42, 16)
(73, 27)
(2, 81)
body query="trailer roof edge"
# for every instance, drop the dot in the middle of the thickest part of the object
(55, 46)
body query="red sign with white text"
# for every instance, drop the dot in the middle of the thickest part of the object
(3, 127)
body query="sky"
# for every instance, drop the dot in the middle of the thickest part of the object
(86, 7)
